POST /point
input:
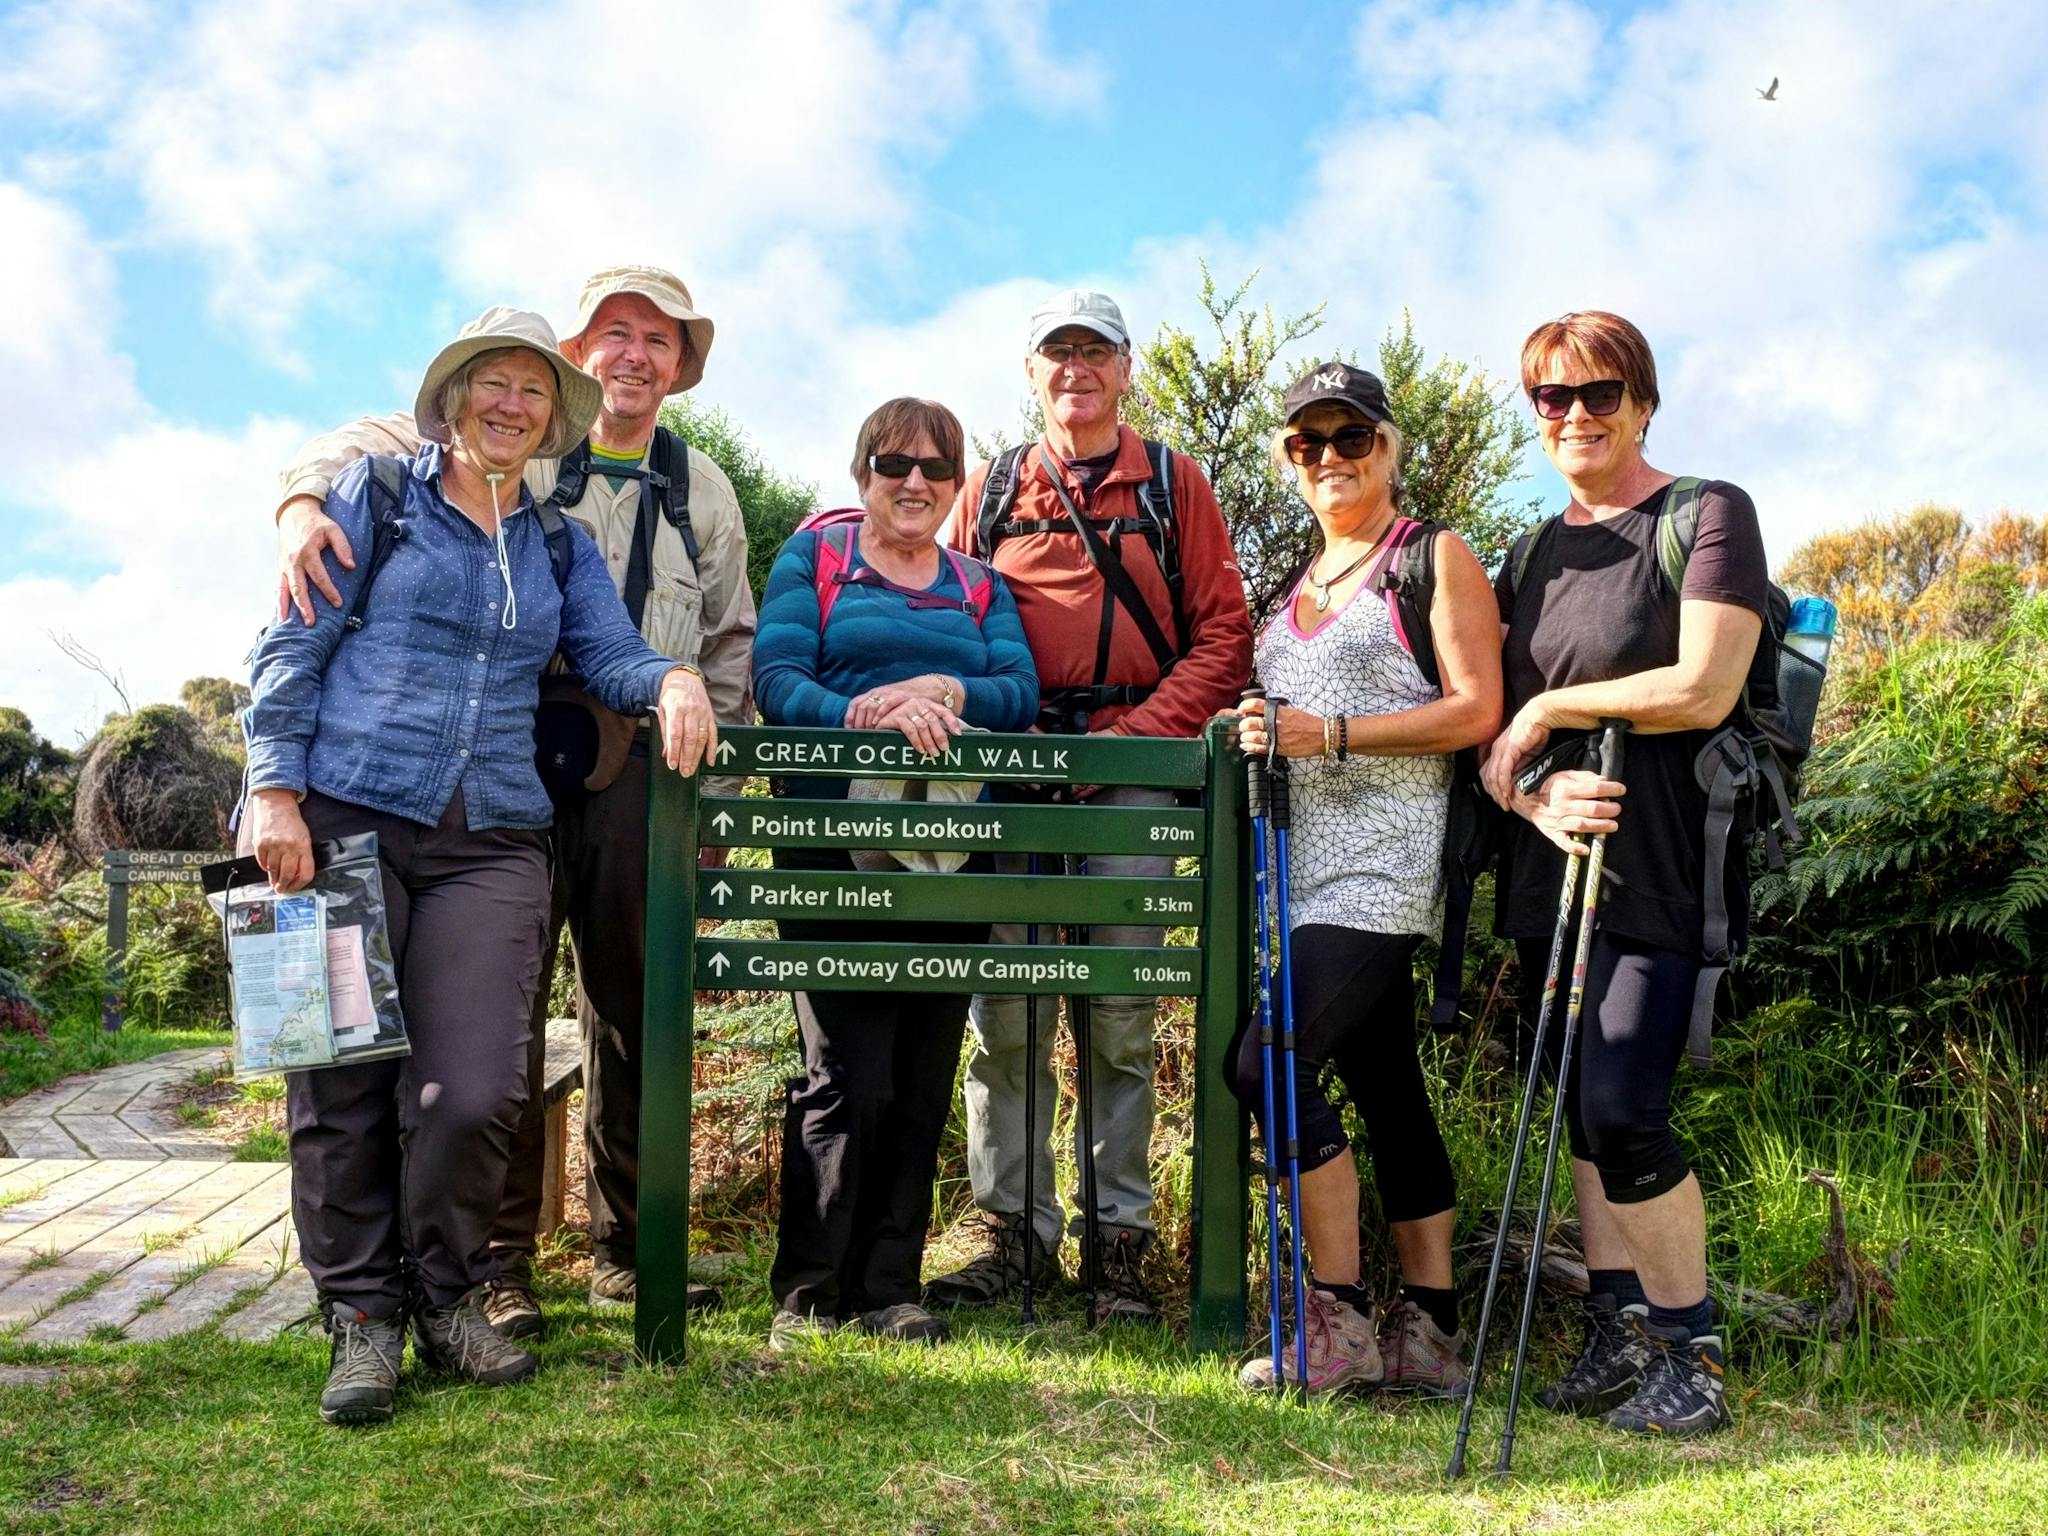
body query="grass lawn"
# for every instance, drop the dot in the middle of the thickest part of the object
(1055, 1431)
(78, 1044)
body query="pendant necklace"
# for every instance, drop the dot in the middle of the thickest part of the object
(1323, 596)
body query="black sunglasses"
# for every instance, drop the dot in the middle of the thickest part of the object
(1306, 448)
(1553, 402)
(897, 466)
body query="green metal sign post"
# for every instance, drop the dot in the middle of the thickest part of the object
(1216, 971)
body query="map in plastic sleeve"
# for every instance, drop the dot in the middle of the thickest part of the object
(277, 951)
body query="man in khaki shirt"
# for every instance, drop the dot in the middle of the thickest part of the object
(640, 337)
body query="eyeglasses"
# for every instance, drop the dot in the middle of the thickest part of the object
(897, 466)
(1095, 354)
(1553, 402)
(1350, 442)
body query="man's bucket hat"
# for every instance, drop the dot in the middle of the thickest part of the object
(665, 291)
(497, 327)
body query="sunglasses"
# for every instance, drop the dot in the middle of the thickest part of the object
(897, 466)
(1553, 402)
(1096, 354)
(1306, 448)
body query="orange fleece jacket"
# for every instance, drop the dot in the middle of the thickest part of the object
(1060, 596)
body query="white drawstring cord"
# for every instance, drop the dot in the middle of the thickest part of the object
(511, 618)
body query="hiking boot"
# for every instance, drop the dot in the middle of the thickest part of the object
(1684, 1387)
(793, 1330)
(362, 1366)
(1120, 1293)
(1418, 1356)
(984, 1281)
(1342, 1351)
(1610, 1364)
(510, 1308)
(460, 1339)
(908, 1322)
(616, 1288)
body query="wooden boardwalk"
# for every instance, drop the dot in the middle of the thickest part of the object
(143, 1248)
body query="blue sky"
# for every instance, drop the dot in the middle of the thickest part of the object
(233, 223)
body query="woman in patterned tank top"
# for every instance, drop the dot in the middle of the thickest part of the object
(1372, 743)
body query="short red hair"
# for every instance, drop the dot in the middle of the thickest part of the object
(1600, 343)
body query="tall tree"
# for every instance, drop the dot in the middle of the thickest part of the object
(1463, 438)
(1876, 572)
(35, 781)
(771, 503)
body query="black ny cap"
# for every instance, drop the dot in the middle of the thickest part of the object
(1338, 384)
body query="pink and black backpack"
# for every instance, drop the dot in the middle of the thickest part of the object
(836, 530)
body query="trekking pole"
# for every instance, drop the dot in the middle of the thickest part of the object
(1031, 1142)
(1256, 798)
(1567, 896)
(1281, 812)
(1612, 735)
(1083, 1031)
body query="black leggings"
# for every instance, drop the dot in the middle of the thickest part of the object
(1632, 1030)
(1354, 1011)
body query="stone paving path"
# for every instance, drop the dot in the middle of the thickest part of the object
(117, 1112)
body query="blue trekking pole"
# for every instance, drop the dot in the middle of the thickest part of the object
(1281, 813)
(1257, 802)
(1031, 1143)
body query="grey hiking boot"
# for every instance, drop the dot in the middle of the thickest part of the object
(1610, 1366)
(1120, 1292)
(793, 1330)
(984, 1281)
(1418, 1356)
(362, 1366)
(1684, 1390)
(616, 1288)
(460, 1339)
(908, 1322)
(1342, 1352)
(509, 1307)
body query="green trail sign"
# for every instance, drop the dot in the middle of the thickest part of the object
(1216, 970)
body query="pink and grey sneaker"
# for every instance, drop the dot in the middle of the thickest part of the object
(1418, 1356)
(1342, 1352)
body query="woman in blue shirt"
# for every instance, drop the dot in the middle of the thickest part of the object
(410, 713)
(867, 623)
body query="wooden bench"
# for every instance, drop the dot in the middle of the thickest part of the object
(561, 1076)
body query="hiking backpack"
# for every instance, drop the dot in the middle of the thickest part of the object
(834, 570)
(1749, 768)
(995, 520)
(664, 492)
(388, 531)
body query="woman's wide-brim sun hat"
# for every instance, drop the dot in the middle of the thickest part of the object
(498, 327)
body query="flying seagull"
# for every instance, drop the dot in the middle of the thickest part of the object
(1772, 93)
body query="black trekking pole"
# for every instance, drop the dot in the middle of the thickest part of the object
(1612, 734)
(1280, 810)
(1566, 899)
(1082, 1022)
(1257, 802)
(1031, 1142)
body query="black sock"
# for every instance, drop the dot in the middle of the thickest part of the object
(1440, 1302)
(1355, 1297)
(1624, 1285)
(1695, 1319)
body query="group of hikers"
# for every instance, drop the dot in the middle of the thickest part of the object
(551, 564)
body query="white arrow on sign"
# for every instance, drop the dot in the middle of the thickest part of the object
(722, 821)
(721, 891)
(718, 963)
(723, 753)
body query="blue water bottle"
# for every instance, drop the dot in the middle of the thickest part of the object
(1803, 668)
(1812, 629)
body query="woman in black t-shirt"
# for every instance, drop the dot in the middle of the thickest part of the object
(1595, 629)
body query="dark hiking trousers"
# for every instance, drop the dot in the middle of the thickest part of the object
(400, 1163)
(601, 891)
(860, 1138)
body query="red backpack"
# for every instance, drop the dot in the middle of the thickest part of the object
(835, 569)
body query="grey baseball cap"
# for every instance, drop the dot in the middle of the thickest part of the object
(1096, 312)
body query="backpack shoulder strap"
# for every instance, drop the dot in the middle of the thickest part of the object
(561, 550)
(977, 581)
(1409, 582)
(571, 476)
(1678, 526)
(998, 496)
(1524, 551)
(669, 462)
(1155, 499)
(834, 554)
(387, 527)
